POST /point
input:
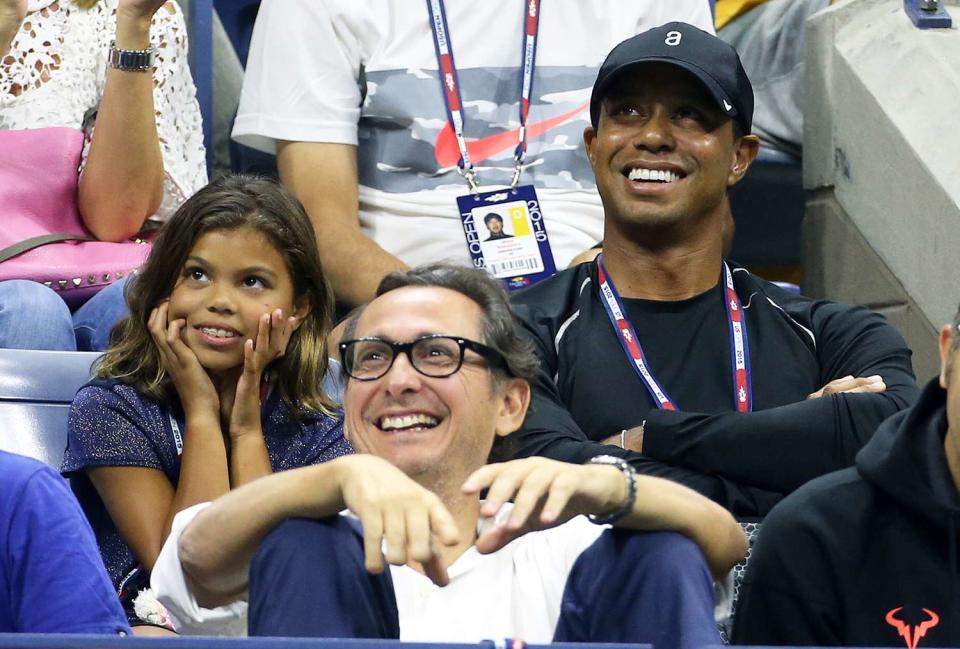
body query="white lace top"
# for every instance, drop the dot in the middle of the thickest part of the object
(55, 72)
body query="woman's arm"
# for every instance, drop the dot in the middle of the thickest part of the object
(12, 13)
(122, 182)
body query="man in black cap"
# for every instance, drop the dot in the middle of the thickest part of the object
(663, 352)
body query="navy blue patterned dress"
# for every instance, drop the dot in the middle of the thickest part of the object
(112, 424)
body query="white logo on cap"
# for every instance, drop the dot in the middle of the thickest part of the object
(673, 38)
(727, 105)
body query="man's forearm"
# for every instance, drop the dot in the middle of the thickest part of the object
(324, 177)
(216, 548)
(665, 505)
(341, 246)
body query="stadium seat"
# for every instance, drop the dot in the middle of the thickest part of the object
(238, 17)
(768, 207)
(36, 389)
(200, 34)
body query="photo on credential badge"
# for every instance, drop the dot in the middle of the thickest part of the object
(507, 239)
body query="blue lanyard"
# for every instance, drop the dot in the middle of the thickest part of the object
(627, 335)
(450, 83)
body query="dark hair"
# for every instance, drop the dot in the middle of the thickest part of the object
(499, 324)
(490, 216)
(229, 203)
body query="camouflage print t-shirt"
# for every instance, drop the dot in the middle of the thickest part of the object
(364, 72)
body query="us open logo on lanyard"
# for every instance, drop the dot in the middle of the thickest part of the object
(627, 335)
(504, 228)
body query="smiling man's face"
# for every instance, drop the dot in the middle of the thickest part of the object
(433, 429)
(663, 153)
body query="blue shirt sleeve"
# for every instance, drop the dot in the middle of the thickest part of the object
(53, 572)
(113, 426)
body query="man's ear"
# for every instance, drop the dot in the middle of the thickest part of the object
(589, 136)
(514, 400)
(744, 153)
(946, 347)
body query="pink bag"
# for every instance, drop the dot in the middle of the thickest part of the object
(42, 237)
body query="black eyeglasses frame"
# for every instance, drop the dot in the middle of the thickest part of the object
(494, 357)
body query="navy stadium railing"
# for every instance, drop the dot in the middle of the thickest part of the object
(50, 641)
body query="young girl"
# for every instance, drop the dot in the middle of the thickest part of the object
(213, 380)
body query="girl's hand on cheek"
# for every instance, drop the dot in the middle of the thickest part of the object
(193, 384)
(273, 335)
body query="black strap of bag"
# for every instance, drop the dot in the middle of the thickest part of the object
(35, 242)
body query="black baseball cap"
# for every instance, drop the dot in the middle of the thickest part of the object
(712, 61)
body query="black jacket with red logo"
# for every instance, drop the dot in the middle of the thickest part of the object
(867, 556)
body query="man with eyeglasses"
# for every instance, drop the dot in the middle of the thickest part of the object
(867, 556)
(436, 374)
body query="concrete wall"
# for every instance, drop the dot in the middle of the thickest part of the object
(882, 167)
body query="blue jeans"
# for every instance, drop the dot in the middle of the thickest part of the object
(33, 316)
(308, 579)
(93, 321)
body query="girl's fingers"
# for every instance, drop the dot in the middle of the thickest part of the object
(288, 328)
(157, 322)
(262, 345)
(282, 330)
(175, 340)
(249, 356)
(273, 336)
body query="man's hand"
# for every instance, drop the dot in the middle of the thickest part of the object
(546, 493)
(631, 439)
(393, 508)
(850, 385)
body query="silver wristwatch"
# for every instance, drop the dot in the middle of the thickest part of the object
(132, 60)
(630, 475)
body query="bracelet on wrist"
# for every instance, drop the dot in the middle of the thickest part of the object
(132, 60)
(630, 475)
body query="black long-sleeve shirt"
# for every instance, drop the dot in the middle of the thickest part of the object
(588, 389)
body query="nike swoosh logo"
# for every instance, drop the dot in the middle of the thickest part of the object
(448, 153)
